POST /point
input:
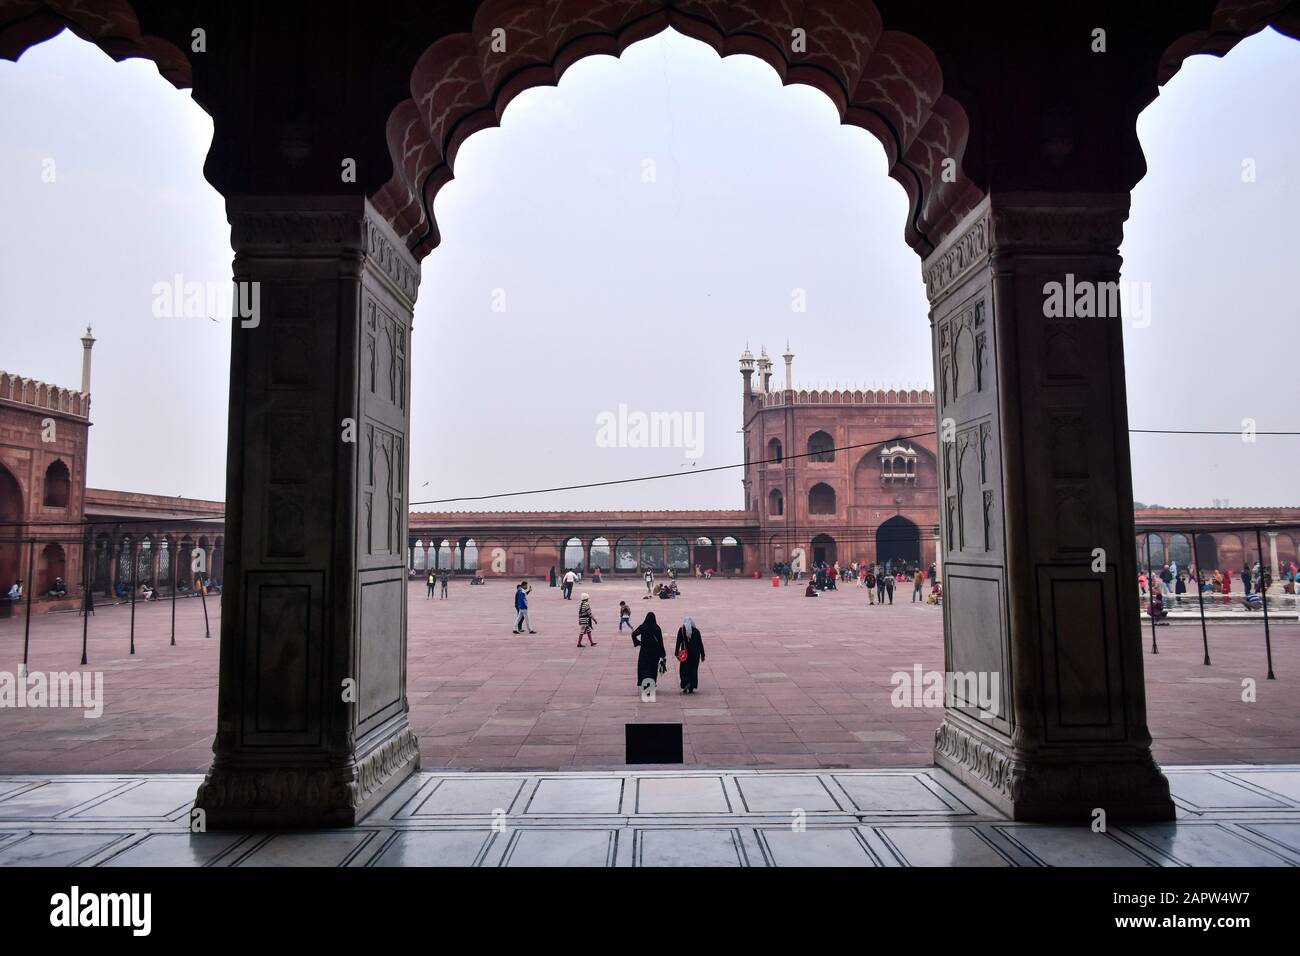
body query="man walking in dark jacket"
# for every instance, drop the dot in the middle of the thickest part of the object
(522, 590)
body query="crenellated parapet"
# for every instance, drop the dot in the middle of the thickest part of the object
(825, 396)
(42, 395)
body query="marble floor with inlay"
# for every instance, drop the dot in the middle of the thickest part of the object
(1230, 815)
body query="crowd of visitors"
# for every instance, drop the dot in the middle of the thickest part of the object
(1174, 586)
(880, 581)
(647, 637)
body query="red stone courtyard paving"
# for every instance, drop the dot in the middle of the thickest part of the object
(788, 682)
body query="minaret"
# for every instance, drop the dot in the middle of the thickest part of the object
(747, 372)
(789, 365)
(87, 343)
(764, 372)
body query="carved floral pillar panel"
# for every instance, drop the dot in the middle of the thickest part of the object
(312, 709)
(1047, 714)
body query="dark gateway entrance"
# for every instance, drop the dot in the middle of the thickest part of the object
(898, 541)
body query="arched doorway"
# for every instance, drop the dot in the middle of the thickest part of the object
(652, 555)
(679, 554)
(1232, 553)
(625, 554)
(706, 555)
(53, 565)
(600, 554)
(574, 554)
(103, 562)
(11, 513)
(1151, 549)
(165, 563)
(144, 572)
(125, 565)
(898, 543)
(1286, 549)
(824, 550)
(732, 557)
(1180, 550)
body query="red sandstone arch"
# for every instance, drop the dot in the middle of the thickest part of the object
(1231, 552)
(886, 82)
(822, 499)
(51, 565)
(12, 511)
(1230, 23)
(109, 24)
(1286, 548)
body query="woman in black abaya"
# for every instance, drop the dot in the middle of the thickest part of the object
(688, 640)
(653, 655)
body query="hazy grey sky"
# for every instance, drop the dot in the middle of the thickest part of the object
(623, 291)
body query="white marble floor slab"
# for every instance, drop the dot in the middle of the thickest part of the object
(1228, 816)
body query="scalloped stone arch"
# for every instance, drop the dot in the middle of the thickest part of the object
(886, 82)
(1230, 23)
(110, 24)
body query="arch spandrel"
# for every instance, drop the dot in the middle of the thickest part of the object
(888, 83)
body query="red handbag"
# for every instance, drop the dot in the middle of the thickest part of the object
(683, 655)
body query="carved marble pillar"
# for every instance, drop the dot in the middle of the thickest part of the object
(1035, 490)
(1272, 556)
(312, 712)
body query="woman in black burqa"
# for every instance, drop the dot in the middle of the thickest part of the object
(653, 657)
(689, 641)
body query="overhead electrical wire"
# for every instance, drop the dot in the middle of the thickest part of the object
(126, 520)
